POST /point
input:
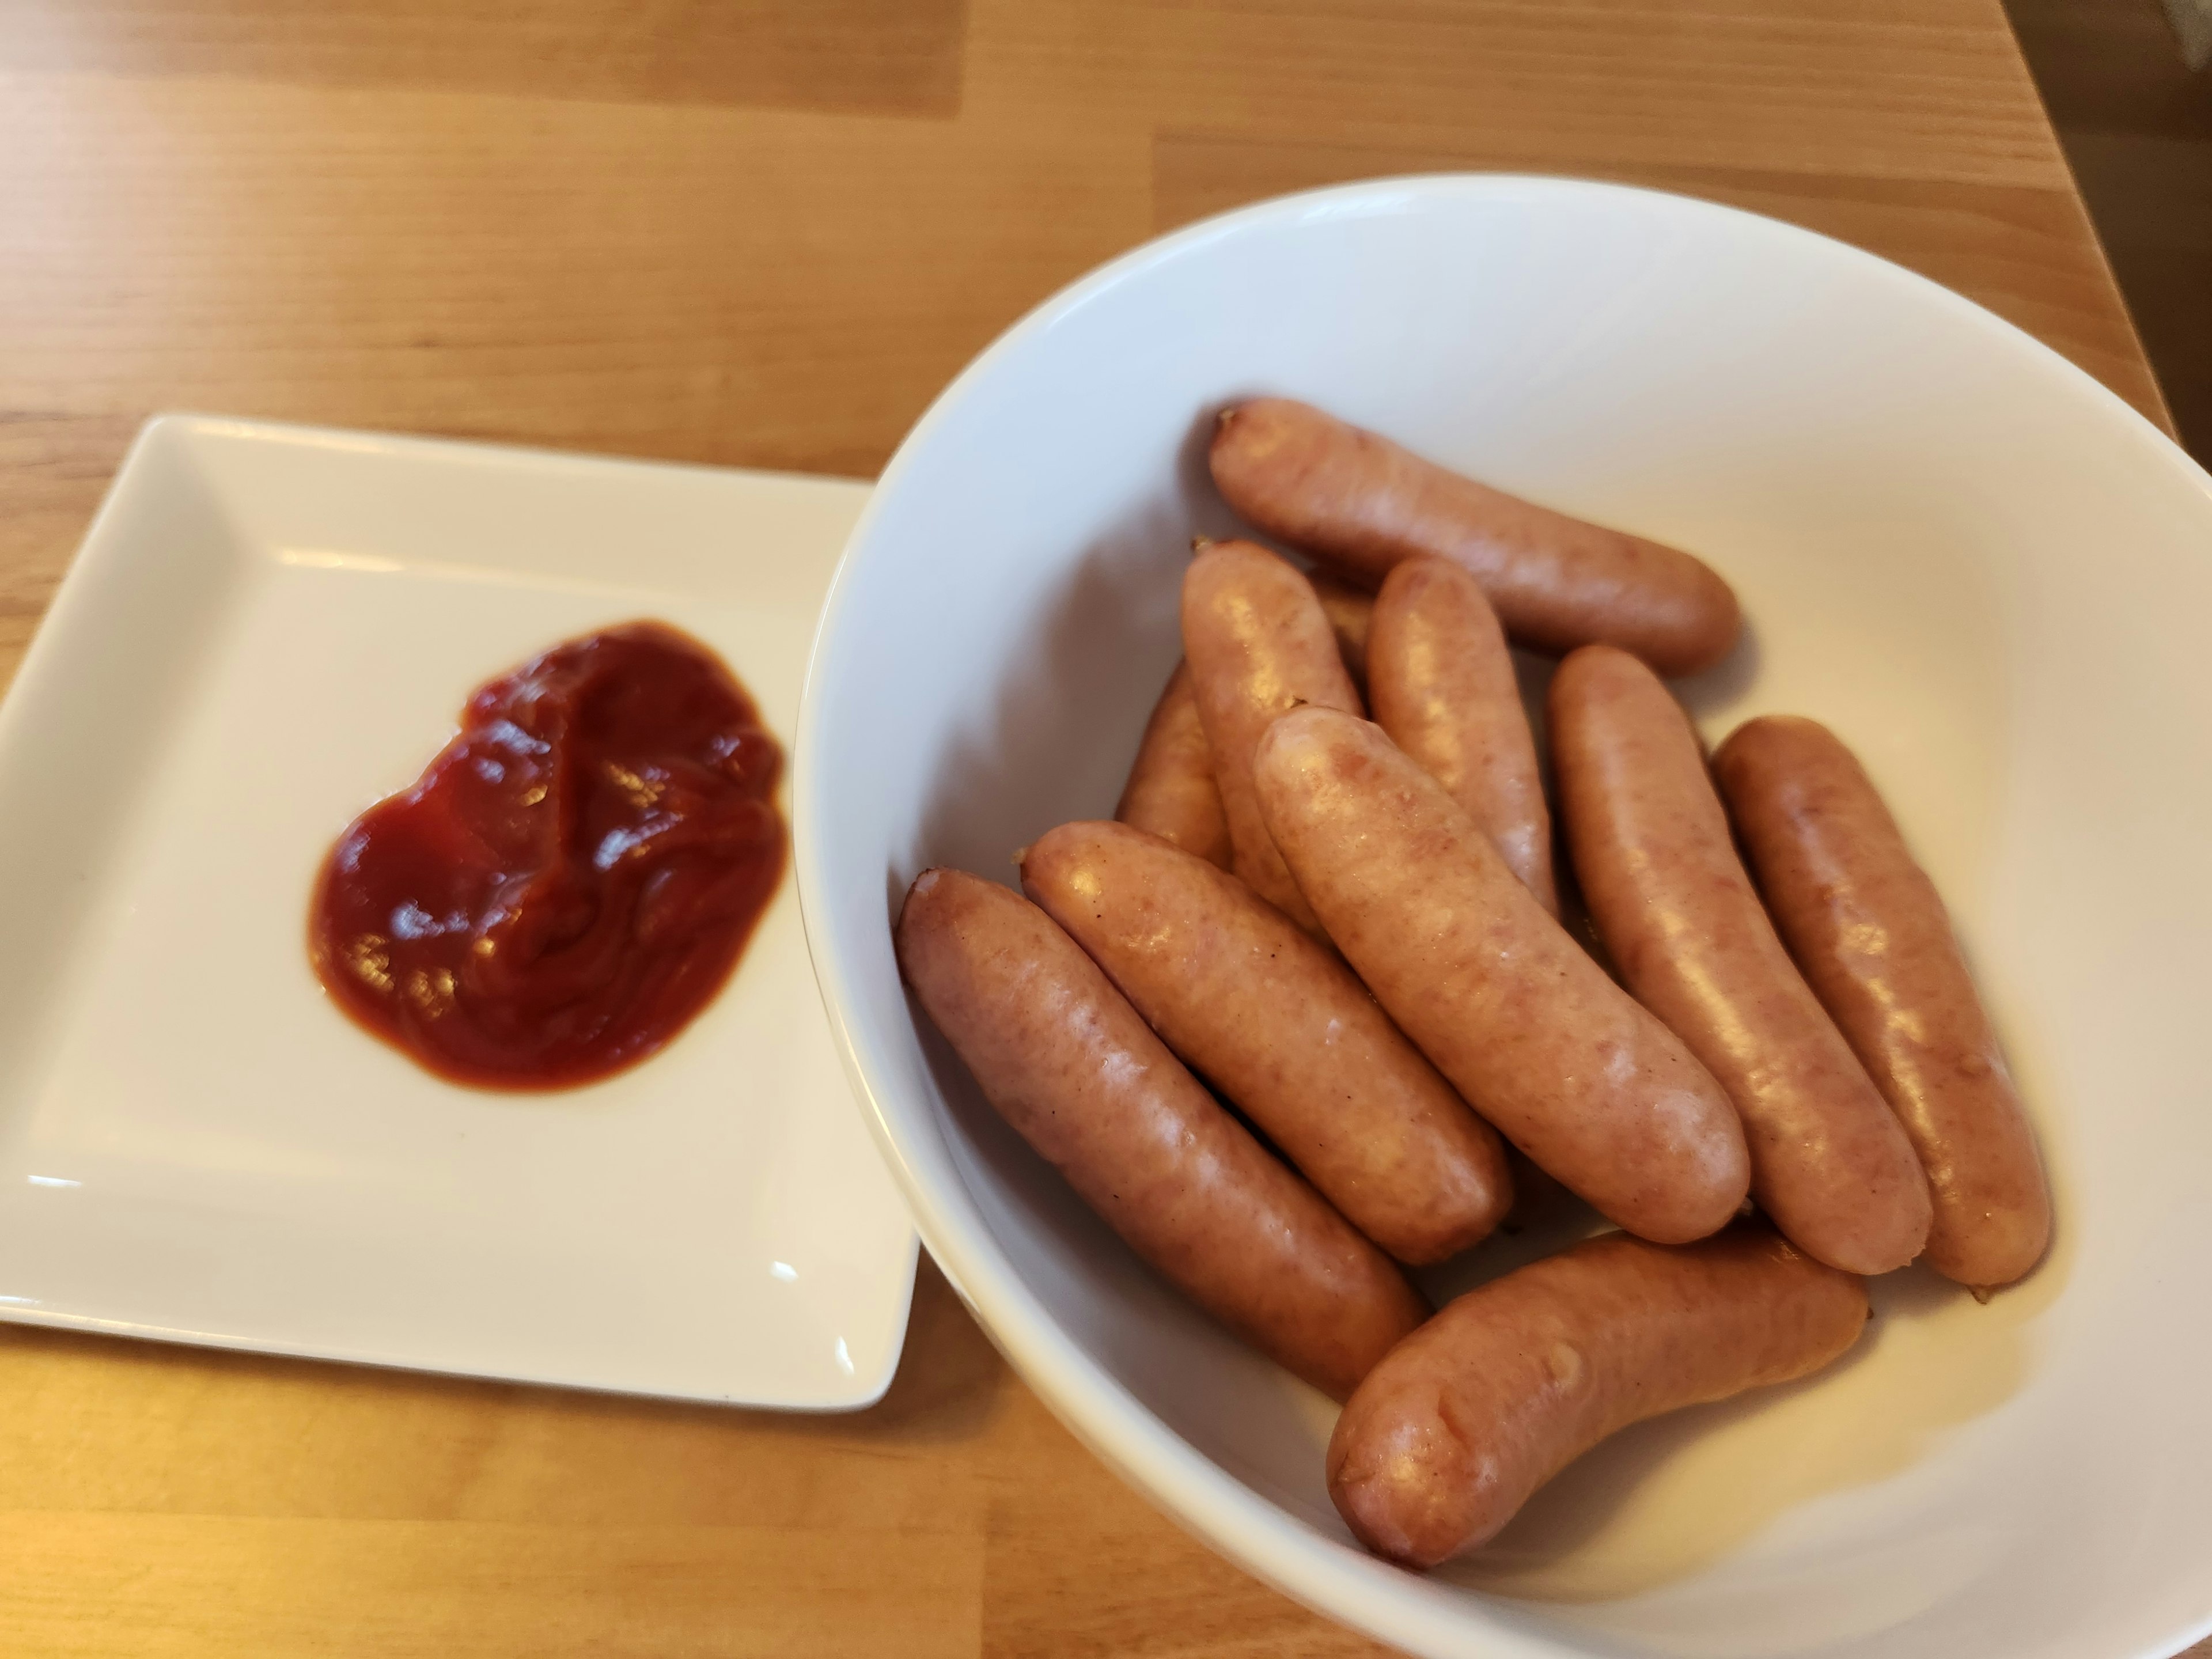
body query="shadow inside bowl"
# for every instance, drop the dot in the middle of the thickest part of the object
(1722, 686)
(1095, 665)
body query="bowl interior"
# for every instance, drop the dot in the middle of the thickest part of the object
(1976, 565)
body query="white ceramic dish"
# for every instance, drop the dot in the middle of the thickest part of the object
(268, 628)
(1987, 572)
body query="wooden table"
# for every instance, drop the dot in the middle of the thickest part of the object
(764, 232)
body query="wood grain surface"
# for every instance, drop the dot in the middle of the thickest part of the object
(765, 231)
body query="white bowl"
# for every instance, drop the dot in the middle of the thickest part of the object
(1978, 565)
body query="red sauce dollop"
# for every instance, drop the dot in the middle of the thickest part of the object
(572, 878)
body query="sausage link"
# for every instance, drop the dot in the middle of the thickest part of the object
(1070, 1066)
(1172, 793)
(1468, 1417)
(1363, 503)
(1829, 1161)
(1350, 613)
(1278, 1025)
(1441, 683)
(1258, 644)
(1512, 1010)
(1868, 929)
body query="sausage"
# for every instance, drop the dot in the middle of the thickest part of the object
(1070, 1066)
(1450, 1435)
(1868, 928)
(1362, 503)
(1829, 1161)
(1172, 793)
(1350, 613)
(1441, 683)
(1513, 1011)
(1258, 643)
(1278, 1025)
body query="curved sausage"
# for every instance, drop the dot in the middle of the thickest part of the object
(1258, 644)
(1068, 1062)
(1441, 683)
(1829, 1161)
(1868, 928)
(1468, 1417)
(1172, 793)
(1278, 1025)
(1512, 1010)
(1363, 503)
(1350, 613)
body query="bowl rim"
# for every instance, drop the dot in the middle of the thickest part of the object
(1328, 1575)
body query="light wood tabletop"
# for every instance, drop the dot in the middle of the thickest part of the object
(765, 233)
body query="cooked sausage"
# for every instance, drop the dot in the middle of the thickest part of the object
(1278, 1025)
(1172, 793)
(1363, 503)
(1468, 1417)
(1868, 928)
(1258, 644)
(1350, 613)
(1513, 1011)
(1829, 1161)
(1070, 1065)
(1440, 681)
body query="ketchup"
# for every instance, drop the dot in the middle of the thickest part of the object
(572, 878)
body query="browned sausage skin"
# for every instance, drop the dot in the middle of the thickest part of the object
(1868, 929)
(1172, 793)
(1513, 1011)
(1278, 1023)
(1441, 683)
(1450, 1435)
(1070, 1065)
(1258, 643)
(1363, 503)
(1829, 1161)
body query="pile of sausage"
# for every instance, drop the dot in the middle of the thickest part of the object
(1330, 894)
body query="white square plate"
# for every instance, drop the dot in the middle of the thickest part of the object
(268, 628)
